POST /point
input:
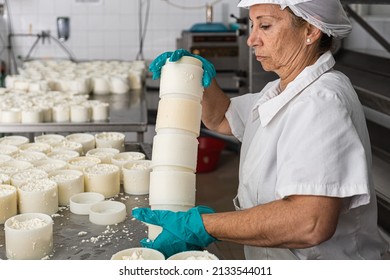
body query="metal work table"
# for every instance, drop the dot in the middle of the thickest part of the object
(76, 238)
(128, 113)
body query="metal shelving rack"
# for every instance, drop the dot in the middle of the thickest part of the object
(370, 76)
(128, 113)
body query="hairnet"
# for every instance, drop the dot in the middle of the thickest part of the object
(328, 16)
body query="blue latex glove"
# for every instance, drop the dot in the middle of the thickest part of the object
(182, 231)
(208, 68)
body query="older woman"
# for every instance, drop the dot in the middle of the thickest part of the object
(305, 188)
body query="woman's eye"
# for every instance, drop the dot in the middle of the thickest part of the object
(265, 26)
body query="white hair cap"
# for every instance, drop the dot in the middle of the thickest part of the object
(328, 16)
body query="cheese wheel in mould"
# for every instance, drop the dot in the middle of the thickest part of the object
(80, 113)
(32, 115)
(12, 115)
(8, 202)
(79, 163)
(179, 113)
(179, 150)
(14, 140)
(38, 196)
(100, 112)
(29, 236)
(27, 175)
(172, 187)
(50, 139)
(86, 140)
(114, 140)
(183, 76)
(102, 178)
(69, 182)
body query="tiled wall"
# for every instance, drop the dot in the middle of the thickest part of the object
(108, 30)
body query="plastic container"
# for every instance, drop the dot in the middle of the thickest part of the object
(5, 179)
(114, 140)
(9, 150)
(50, 139)
(179, 113)
(8, 202)
(81, 203)
(125, 157)
(30, 156)
(49, 165)
(38, 196)
(193, 256)
(178, 150)
(36, 147)
(172, 187)
(182, 77)
(104, 154)
(65, 155)
(209, 153)
(102, 178)
(14, 166)
(14, 140)
(136, 177)
(4, 158)
(69, 182)
(79, 163)
(138, 253)
(107, 213)
(85, 139)
(29, 236)
(69, 145)
(19, 178)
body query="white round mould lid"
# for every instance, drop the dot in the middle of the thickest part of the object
(107, 212)
(81, 203)
(138, 253)
(193, 255)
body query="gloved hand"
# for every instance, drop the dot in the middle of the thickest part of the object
(182, 231)
(208, 68)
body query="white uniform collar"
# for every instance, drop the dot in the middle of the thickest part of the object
(271, 103)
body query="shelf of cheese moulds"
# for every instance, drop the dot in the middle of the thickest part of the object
(127, 113)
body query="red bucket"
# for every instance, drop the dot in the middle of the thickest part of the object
(209, 153)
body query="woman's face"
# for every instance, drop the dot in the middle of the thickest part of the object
(278, 45)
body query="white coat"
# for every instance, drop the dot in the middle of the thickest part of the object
(311, 139)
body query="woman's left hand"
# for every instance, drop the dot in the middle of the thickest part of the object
(182, 231)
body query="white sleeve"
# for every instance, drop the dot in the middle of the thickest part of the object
(238, 113)
(320, 153)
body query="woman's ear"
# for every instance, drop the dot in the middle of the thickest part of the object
(312, 34)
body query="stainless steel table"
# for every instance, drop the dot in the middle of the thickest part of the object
(128, 113)
(75, 237)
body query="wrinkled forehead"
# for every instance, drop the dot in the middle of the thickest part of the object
(261, 11)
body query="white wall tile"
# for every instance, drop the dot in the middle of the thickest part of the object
(110, 29)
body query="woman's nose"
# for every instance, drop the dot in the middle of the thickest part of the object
(252, 39)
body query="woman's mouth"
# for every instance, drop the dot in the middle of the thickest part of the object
(260, 57)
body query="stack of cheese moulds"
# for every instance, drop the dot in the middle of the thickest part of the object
(175, 145)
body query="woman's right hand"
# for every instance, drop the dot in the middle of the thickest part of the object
(157, 64)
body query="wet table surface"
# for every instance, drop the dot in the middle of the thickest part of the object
(76, 238)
